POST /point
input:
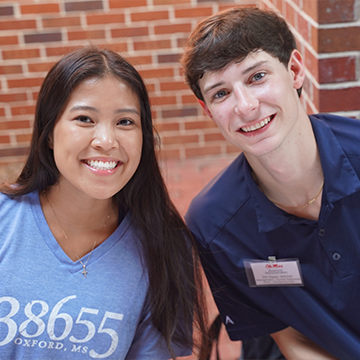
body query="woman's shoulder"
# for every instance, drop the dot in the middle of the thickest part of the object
(7, 201)
(11, 204)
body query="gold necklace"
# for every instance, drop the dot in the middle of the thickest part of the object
(84, 272)
(298, 207)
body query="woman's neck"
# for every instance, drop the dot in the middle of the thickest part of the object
(78, 224)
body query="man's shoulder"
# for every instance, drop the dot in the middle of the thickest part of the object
(222, 188)
(338, 124)
(220, 198)
(346, 130)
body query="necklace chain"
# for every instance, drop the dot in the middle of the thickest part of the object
(295, 207)
(84, 272)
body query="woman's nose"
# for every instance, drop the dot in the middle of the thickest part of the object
(104, 137)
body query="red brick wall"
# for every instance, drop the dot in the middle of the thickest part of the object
(150, 33)
(328, 36)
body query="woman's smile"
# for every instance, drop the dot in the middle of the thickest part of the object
(102, 165)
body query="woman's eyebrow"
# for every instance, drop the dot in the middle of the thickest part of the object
(91, 108)
(127, 110)
(84, 107)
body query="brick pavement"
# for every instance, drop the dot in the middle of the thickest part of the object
(184, 179)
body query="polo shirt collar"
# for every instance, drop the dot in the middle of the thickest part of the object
(340, 179)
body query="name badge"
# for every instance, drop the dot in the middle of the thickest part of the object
(284, 272)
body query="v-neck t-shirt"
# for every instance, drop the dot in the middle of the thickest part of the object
(49, 310)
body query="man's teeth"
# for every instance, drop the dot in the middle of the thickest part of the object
(256, 126)
(100, 165)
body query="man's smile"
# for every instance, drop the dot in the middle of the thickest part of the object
(257, 126)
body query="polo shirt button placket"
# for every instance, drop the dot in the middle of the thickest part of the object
(335, 255)
(321, 232)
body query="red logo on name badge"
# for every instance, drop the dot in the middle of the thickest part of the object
(273, 266)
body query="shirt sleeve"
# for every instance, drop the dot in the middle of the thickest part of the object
(148, 343)
(211, 220)
(243, 318)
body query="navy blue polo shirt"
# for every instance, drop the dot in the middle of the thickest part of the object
(233, 220)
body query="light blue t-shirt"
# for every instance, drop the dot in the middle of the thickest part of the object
(49, 310)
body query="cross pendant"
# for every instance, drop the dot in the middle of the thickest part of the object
(84, 270)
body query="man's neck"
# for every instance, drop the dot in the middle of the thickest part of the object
(292, 174)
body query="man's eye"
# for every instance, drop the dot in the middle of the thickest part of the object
(220, 94)
(258, 76)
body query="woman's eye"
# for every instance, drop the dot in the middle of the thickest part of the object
(258, 76)
(83, 119)
(125, 122)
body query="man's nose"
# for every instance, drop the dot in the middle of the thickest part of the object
(246, 101)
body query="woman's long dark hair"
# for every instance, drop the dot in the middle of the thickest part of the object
(175, 279)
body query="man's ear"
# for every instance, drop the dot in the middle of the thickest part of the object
(297, 69)
(206, 109)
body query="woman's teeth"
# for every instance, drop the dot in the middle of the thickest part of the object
(257, 126)
(101, 165)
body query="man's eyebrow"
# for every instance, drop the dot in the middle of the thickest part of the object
(244, 72)
(253, 67)
(117, 111)
(209, 88)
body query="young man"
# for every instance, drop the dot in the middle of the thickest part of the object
(279, 229)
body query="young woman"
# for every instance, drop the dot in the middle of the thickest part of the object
(95, 261)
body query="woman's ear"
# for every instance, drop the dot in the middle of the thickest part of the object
(206, 109)
(50, 141)
(297, 69)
